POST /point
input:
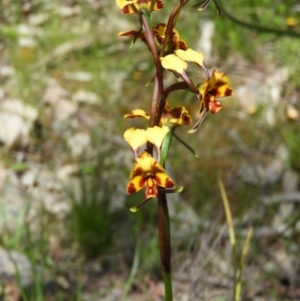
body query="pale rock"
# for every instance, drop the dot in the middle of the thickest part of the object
(114, 80)
(27, 42)
(2, 93)
(29, 178)
(68, 11)
(19, 108)
(38, 19)
(273, 171)
(13, 130)
(7, 71)
(247, 96)
(269, 114)
(3, 176)
(16, 119)
(83, 28)
(54, 92)
(79, 143)
(272, 93)
(290, 181)
(282, 154)
(252, 174)
(55, 203)
(15, 264)
(52, 188)
(47, 187)
(66, 171)
(284, 260)
(74, 45)
(118, 195)
(114, 25)
(72, 190)
(207, 28)
(183, 218)
(274, 83)
(83, 96)
(24, 29)
(295, 8)
(79, 76)
(12, 203)
(64, 109)
(183, 297)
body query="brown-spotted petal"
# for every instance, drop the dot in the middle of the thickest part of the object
(137, 113)
(218, 85)
(163, 180)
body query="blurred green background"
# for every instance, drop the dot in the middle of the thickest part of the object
(67, 79)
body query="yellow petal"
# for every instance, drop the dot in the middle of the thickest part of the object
(174, 63)
(137, 113)
(190, 55)
(216, 86)
(135, 137)
(145, 162)
(123, 3)
(157, 134)
(136, 184)
(218, 76)
(163, 180)
(177, 115)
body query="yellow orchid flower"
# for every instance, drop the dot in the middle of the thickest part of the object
(216, 86)
(147, 172)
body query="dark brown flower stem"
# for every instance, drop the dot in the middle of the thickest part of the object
(158, 98)
(165, 244)
(175, 87)
(157, 105)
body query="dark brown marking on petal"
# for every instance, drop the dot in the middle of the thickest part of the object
(169, 183)
(126, 9)
(142, 182)
(213, 91)
(187, 119)
(176, 112)
(137, 171)
(219, 83)
(159, 4)
(131, 189)
(228, 92)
